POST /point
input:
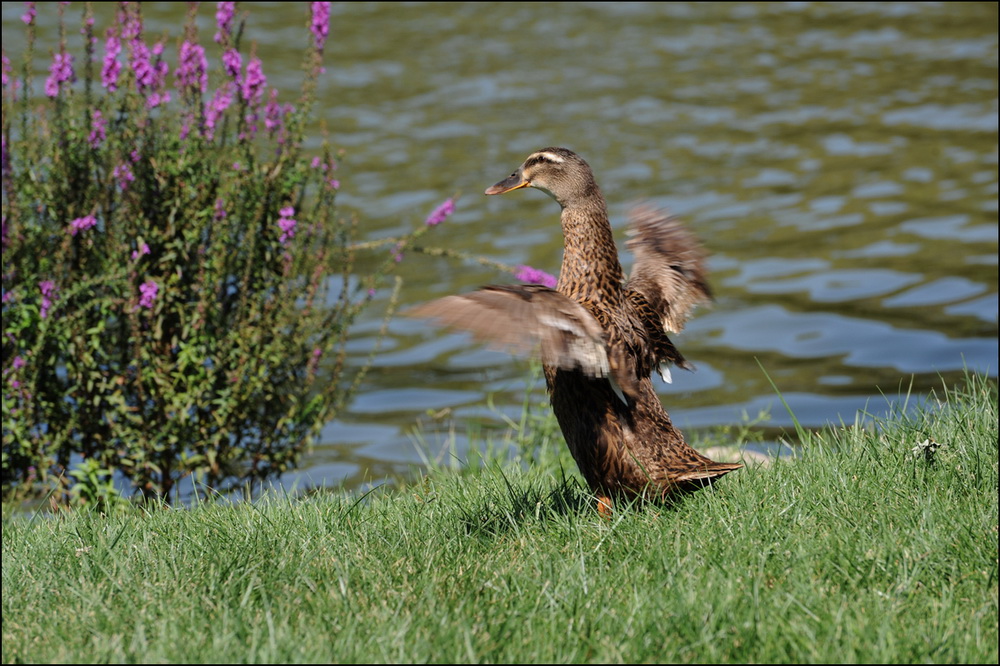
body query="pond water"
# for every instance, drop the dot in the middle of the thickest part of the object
(839, 162)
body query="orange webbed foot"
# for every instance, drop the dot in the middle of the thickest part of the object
(604, 506)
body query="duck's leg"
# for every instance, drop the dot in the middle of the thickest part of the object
(604, 506)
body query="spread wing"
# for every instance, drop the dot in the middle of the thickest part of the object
(659, 350)
(527, 319)
(669, 271)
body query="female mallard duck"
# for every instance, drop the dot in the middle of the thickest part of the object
(600, 336)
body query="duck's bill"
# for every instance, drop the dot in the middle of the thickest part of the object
(515, 182)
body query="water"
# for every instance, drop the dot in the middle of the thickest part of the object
(839, 161)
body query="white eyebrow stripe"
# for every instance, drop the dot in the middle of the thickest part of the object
(552, 157)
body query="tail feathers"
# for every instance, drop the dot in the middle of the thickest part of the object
(710, 470)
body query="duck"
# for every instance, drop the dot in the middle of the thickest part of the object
(600, 335)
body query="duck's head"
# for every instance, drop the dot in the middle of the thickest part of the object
(560, 173)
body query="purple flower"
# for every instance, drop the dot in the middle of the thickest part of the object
(17, 364)
(111, 67)
(441, 213)
(317, 163)
(147, 291)
(156, 98)
(162, 69)
(150, 75)
(97, 129)
(535, 276)
(143, 250)
(274, 114)
(254, 82)
(232, 61)
(6, 71)
(60, 72)
(220, 210)
(192, 67)
(214, 109)
(320, 26)
(29, 15)
(145, 74)
(131, 23)
(48, 289)
(224, 19)
(123, 175)
(82, 224)
(287, 224)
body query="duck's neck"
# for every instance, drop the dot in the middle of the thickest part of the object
(590, 267)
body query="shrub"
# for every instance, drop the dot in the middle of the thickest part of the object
(177, 288)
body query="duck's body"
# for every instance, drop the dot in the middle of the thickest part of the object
(601, 336)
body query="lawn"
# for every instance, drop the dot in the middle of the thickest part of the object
(873, 544)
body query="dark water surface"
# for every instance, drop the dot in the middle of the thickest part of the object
(839, 161)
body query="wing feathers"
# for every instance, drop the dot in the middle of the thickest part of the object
(523, 318)
(669, 268)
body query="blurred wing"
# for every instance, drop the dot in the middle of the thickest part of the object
(659, 347)
(669, 270)
(525, 319)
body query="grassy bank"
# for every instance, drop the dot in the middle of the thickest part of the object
(862, 549)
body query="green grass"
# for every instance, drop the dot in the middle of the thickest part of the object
(858, 550)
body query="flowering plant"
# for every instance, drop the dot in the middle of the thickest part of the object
(174, 276)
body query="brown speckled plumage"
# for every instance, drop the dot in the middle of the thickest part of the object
(599, 336)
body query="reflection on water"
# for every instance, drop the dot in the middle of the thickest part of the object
(840, 161)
